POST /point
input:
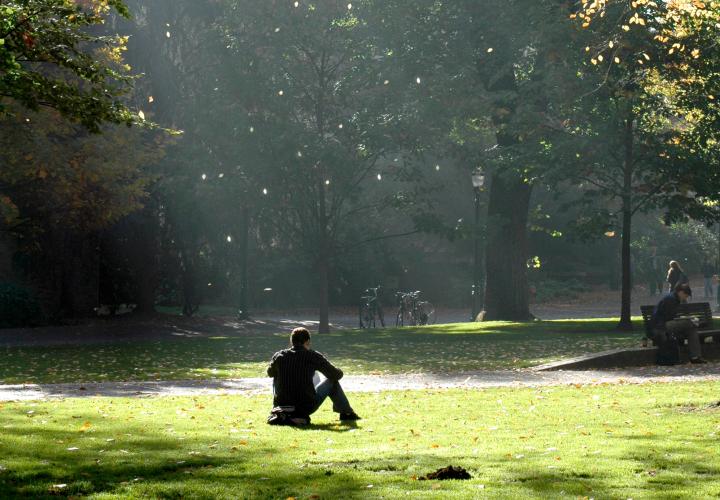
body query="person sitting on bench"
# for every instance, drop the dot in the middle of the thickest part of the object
(664, 321)
(295, 396)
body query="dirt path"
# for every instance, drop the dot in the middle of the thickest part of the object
(599, 303)
(370, 383)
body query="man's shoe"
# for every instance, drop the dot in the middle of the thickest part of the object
(348, 417)
(698, 361)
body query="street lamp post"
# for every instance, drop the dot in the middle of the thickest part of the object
(478, 181)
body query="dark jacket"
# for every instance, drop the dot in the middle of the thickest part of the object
(665, 310)
(708, 270)
(293, 371)
(676, 276)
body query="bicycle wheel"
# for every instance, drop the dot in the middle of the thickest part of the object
(364, 316)
(426, 313)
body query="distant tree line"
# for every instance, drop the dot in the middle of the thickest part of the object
(324, 144)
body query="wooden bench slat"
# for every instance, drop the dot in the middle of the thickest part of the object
(700, 310)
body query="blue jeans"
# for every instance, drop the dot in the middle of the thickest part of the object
(331, 388)
(708, 287)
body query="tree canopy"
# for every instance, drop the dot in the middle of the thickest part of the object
(53, 54)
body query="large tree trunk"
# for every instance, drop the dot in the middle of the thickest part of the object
(506, 289)
(626, 294)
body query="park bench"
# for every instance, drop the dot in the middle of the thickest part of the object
(699, 310)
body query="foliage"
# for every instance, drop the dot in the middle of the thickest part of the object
(51, 55)
(18, 306)
(654, 68)
(56, 173)
(595, 440)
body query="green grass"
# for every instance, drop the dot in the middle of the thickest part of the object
(656, 441)
(437, 348)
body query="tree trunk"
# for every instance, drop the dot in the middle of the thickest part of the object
(626, 294)
(506, 286)
(323, 263)
(243, 312)
(323, 272)
(144, 257)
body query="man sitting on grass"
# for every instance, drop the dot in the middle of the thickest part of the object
(295, 396)
(665, 322)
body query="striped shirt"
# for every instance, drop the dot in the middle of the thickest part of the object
(293, 371)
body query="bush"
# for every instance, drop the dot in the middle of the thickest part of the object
(18, 306)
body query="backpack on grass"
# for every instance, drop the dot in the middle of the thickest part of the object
(286, 415)
(668, 351)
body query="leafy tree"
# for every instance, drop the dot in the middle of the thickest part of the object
(310, 94)
(50, 56)
(483, 90)
(644, 135)
(64, 186)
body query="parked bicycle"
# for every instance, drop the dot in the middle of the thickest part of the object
(370, 308)
(412, 311)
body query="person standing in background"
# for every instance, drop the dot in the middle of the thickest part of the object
(708, 270)
(676, 275)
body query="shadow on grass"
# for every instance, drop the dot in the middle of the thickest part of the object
(332, 427)
(660, 467)
(56, 461)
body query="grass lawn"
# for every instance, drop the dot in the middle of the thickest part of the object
(607, 441)
(437, 348)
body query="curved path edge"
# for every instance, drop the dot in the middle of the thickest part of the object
(367, 383)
